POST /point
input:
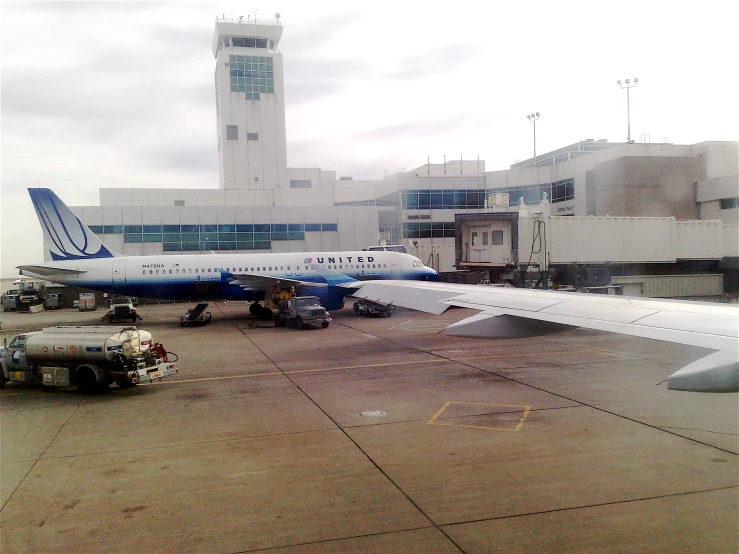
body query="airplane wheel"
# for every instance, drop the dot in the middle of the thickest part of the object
(254, 308)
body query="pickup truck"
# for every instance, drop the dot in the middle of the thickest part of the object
(121, 309)
(302, 312)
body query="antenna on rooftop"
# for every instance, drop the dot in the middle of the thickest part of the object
(277, 17)
(241, 17)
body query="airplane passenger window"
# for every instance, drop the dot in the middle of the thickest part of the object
(170, 272)
(196, 271)
(190, 270)
(282, 268)
(144, 272)
(157, 272)
(176, 270)
(150, 272)
(270, 268)
(288, 268)
(208, 270)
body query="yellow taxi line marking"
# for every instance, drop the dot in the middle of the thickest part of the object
(367, 366)
(526, 410)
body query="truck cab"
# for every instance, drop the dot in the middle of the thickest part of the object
(121, 309)
(13, 362)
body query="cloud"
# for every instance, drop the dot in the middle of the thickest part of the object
(318, 33)
(308, 79)
(444, 59)
(415, 129)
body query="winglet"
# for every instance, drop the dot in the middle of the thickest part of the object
(65, 235)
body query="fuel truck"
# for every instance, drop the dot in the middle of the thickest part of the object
(91, 357)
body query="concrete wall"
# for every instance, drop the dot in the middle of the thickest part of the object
(646, 187)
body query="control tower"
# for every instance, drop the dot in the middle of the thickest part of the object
(250, 105)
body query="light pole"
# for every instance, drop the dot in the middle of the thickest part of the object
(627, 85)
(533, 117)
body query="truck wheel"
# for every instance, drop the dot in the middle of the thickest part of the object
(356, 309)
(133, 318)
(124, 383)
(3, 380)
(47, 388)
(299, 323)
(110, 319)
(87, 382)
(324, 324)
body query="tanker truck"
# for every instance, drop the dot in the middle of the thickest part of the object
(92, 358)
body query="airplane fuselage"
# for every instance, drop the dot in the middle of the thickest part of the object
(186, 277)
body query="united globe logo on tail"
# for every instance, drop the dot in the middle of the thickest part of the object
(65, 235)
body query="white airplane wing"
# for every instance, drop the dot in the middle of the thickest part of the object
(509, 312)
(252, 281)
(47, 271)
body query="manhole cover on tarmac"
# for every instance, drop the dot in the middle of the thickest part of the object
(375, 413)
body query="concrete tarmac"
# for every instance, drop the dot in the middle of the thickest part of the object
(374, 435)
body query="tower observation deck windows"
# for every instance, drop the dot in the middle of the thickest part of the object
(249, 42)
(252, 75)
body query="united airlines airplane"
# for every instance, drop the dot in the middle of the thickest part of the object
(79, 258)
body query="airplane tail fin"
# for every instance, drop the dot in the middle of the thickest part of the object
(65, 235)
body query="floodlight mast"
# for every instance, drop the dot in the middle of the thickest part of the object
(627, 85)
(533, 117)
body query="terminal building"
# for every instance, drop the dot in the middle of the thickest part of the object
(261, 205)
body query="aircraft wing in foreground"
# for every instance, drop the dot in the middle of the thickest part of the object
(510, 313)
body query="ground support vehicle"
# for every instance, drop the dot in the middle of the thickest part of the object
(196, 316)
(32, 293)
(53, 301)
(369, 307)
(86, 302)
(11, 300)
(92, 358)
(121, 309)
(302, 312)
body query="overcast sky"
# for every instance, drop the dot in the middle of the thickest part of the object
(121, 94)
